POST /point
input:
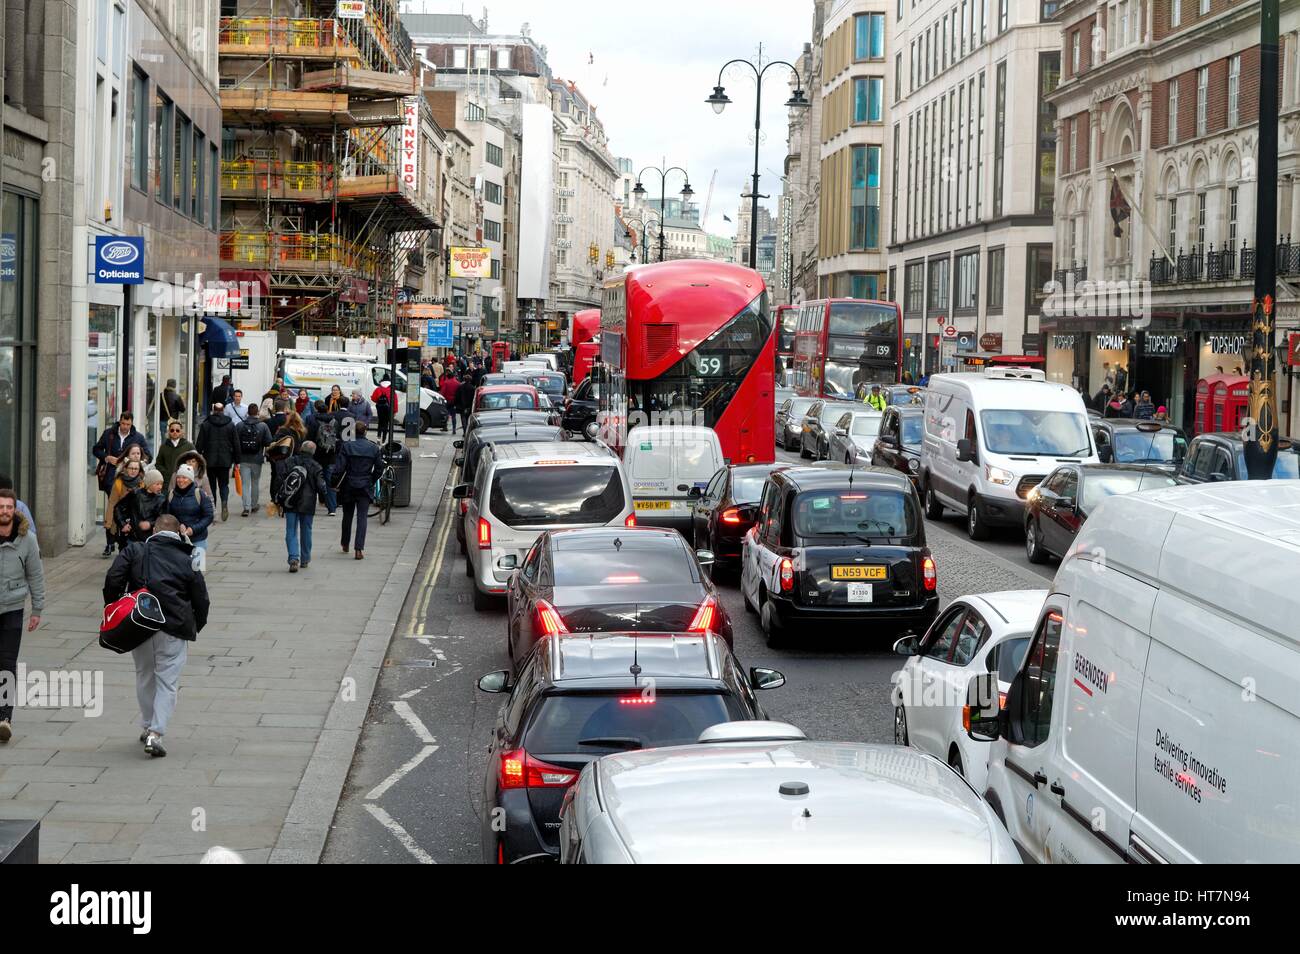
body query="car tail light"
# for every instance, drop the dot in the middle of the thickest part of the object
(704, 617)
(928, 575)
(630, 521)
(1002, 700)
(484, 534)
(731, 515)
(520, 770)
(648, 700)
(787, 574)
(549, 620)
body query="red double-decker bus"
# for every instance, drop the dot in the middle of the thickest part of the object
(584, 329)
(842, 346)
(787, 318)
(690, 342)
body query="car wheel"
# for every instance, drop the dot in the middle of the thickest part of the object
(976, 528)
(954, 762)
(900, 726)
(933, 509)
(771, 622)
(481, 600)
(1034, 543)
(469, 567)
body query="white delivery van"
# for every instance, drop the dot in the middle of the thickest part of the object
(669, 466)
(1156, 715)
(990, 438)
(318, 371)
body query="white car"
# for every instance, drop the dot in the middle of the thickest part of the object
(988, 632)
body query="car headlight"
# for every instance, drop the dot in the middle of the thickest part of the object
(997, 475)
(914, 465)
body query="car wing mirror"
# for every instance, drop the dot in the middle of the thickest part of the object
(965, 450)
(766, 679)
(1105, 454)
(981, 717)
(462, 491)
(908, 646)
(459, 461)
(458, 444)
(705, 557)
(498, 681)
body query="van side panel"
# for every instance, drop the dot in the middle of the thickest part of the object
(945, 416)
(1218, 761)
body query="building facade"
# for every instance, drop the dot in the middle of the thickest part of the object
(801, 187)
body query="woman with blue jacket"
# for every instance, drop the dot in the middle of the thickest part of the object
(189, 503)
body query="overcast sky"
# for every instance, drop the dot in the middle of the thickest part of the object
(654, 65)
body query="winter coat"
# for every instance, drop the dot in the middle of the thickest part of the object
(386, 391)
(112, 444)
(163, 564)
(1144, 410)
(169, 457)
(145, 508)
(361, 411)
(464, 396)
(313, 487)
(173, 404)
(222, 394)
(21, 572)
(115, 514)
(360, 464)
(333, 403)
(449, 388)
(218, 442)
(193, 508)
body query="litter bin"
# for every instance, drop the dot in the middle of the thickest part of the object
(399, 456)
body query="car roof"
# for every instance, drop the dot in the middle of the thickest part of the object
(722, 801)
(600, 538)
(834, 478)
(1016, 609)
(679, 431)
(1151, 470)
(525, 430)
(1133, 424)
(997, 393)
(754, 470)
(531, 452)
(1234, 438)
(607, 658)
(507, 389)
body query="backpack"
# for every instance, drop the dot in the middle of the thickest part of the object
(249, 442)
(280, 450)
(382, 405)
(290, 493)
(326, 439)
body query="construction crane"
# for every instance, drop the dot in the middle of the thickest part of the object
(708, 201)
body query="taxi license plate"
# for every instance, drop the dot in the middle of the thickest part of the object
(860, 592)
(654, 505)
(858, 573)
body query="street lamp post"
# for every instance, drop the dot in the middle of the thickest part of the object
(645, 222)
(687, 192)
(719, 101)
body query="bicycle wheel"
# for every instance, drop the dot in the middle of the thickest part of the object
(390, 487)
(377, 498)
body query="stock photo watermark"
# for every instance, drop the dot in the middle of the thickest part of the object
(54, 689)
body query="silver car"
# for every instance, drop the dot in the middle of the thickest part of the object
(853, 437)
(789, 421)
(760, 792)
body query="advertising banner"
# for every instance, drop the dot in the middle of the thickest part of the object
(471, 262)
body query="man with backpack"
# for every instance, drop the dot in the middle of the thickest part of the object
(219, 446)
(323, 431)
(303, 485)
(386, 409)
(359, 465)
(254, 438)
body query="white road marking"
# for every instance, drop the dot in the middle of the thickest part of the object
(413, 692)
(377, 792)
(418, 853)
(413, 720)
(415, 626)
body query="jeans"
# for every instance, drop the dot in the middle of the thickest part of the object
(297, 535)
(331, 499)
(251, 474)
(221, 482)
(452, 413)
(11, 637)
(158, 664)
(385, 427)
(361, 504)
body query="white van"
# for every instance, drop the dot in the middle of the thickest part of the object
(990, 438)
(318, 371)
(1156, 716)
(669, 466)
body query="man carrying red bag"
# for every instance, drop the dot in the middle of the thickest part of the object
(164, 565)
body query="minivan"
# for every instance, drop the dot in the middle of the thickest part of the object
(669, 466)
(991, 438)
(519, 490)
(1156, 715)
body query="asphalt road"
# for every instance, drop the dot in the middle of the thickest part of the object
(414, 791)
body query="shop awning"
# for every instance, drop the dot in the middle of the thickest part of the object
(218, 337)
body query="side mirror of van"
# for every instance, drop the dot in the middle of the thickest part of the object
(981, 717)
(1106, 454)
(965, 450)
(690, 491)
(462, 491)
(459, 461)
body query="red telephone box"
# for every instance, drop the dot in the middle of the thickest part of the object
(500, 354)
(1221, 401)
(1236, 400)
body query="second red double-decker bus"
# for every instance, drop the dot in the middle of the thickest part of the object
(842, 346)
(690, 342)
(584, 334)
(787, 318)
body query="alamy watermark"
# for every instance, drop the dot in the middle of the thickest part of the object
(56, 689)
(1130, 300)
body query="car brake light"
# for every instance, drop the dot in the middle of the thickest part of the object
(731, 515)
(787, 574)
(630, 521)
(702, 622)
(549, 620)
(928, 576)
(484, 534)
(623, 578)
(1002, 700)
(521, 770)
(636, 700)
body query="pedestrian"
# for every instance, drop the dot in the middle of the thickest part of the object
(335, 400)
(173, 447)
(254, 438)
(21, 576)
(273, 394)
(1102, 398)
(324, 433)
(118, 516)
(219, 446)
(224, 392)
(449, 388)
(147, 504)
(109, 451)
(173, 404)
(1162, 415)
(361, 410)
(907, 377)
(356, 469)
(236, 410)
(1128, 404)
(164, 563)
(190, 504)
(386, 408)
(277, 415)
(7, 483)
(301, 489)
(1144, 408)
(876, 399)
(285, 442)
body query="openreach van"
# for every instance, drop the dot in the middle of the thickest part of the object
(318, 371)
(1156, 715)
(990, 438)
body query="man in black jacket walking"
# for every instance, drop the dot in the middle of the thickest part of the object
(359, 464)
(219, 444)
(163, 564)
(300, 505)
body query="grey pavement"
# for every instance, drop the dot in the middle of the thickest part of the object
(270, 707)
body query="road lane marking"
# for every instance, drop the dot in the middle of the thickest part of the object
(385, 819)
(408, 715)
(377, 792)
(415, 626)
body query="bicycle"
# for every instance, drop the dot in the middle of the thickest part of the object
(381, 495)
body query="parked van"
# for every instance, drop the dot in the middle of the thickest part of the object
(990, 438)
(669, 467)
(1156, 716)
(519, 490)
(761, 793)
(318, 371)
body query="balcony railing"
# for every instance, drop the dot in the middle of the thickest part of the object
(1220, 265)
(1079, 271)
(296, 251)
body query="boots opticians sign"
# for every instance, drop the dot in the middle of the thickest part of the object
(119, 260)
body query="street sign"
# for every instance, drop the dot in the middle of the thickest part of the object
(440, 334)
(239, 362)
(950, 331)
(119, 260)
(991, 341)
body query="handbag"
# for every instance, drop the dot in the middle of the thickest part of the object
(132, 619)
(239, 481)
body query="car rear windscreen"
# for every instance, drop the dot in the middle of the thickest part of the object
(506, 399)
(629, 719)
(747, 489)
(550, 383)
(623, 567)
(866, 426)
(1098, 486)
(556, 494)
(868, 514)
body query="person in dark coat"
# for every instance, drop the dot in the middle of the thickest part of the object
(299, 513)
(163, 563)
(358, 465)
(1102, 399)
(190, 504)
(325, 433)
(109, 450)
(173, 404)
(464, 400)
(1144, 409)
(173, 447)
(224, 392)
(147, 505)
(219, 444)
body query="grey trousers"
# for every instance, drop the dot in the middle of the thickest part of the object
(158, 664)
(251, 475)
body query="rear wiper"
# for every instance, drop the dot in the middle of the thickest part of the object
(614, 742)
